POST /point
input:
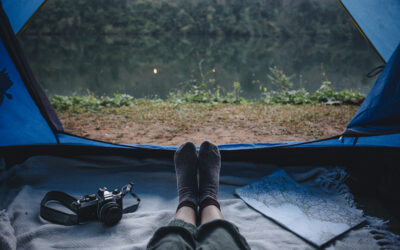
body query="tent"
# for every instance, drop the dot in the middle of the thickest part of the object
(30, 127)
(32, 123)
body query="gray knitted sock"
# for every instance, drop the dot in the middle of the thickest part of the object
(185, 159)
(209, 164)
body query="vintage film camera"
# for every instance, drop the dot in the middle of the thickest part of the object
(104, 206)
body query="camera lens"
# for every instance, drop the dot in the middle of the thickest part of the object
(110, 213)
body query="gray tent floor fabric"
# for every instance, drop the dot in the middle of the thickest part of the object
(23, 186)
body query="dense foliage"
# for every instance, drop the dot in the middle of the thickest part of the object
(318, 19)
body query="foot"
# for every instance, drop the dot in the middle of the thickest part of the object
(185, 159)
(209, 165)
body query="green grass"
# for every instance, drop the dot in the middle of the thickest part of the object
(211, 95)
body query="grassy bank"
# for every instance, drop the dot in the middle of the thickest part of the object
(203, 113)
(170, 123)
(208, 92)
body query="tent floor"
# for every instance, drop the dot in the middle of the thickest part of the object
(24, 185)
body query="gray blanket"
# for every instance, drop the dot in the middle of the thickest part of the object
(23, 186)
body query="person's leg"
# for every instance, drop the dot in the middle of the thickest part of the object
(214, 232)
(217, 233)
(220, 234)
(185, 159)
(209, 164)
(187, 214)
(180, 232)
(210, 213)
(177, 235)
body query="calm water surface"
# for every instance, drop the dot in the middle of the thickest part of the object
(154, 66)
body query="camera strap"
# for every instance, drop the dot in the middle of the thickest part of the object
(57, 216)
(129, 189)
(133, 207)
(67, 200)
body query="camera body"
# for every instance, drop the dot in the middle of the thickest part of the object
(105, 206)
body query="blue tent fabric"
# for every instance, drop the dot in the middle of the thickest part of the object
(379, 21)
(391, 140)
(21, 122)
(67, 139)
(380, 111)
(16, 60)
(20, 11)
(27, 118)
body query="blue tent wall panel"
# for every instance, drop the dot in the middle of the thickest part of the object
(225, 147)
(380, 111)
(66, 139)
(379, 20)
(21, 122)
(335, 142)
(392, 140)
(20, 11)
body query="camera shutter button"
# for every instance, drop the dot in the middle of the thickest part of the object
(101, 191)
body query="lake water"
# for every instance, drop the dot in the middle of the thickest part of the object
(153, 66)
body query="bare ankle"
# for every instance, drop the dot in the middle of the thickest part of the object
(209, 213)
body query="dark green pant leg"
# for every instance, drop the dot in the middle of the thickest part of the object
(220, 234)
(177, 235)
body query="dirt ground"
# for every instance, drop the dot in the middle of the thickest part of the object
(173, 124)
